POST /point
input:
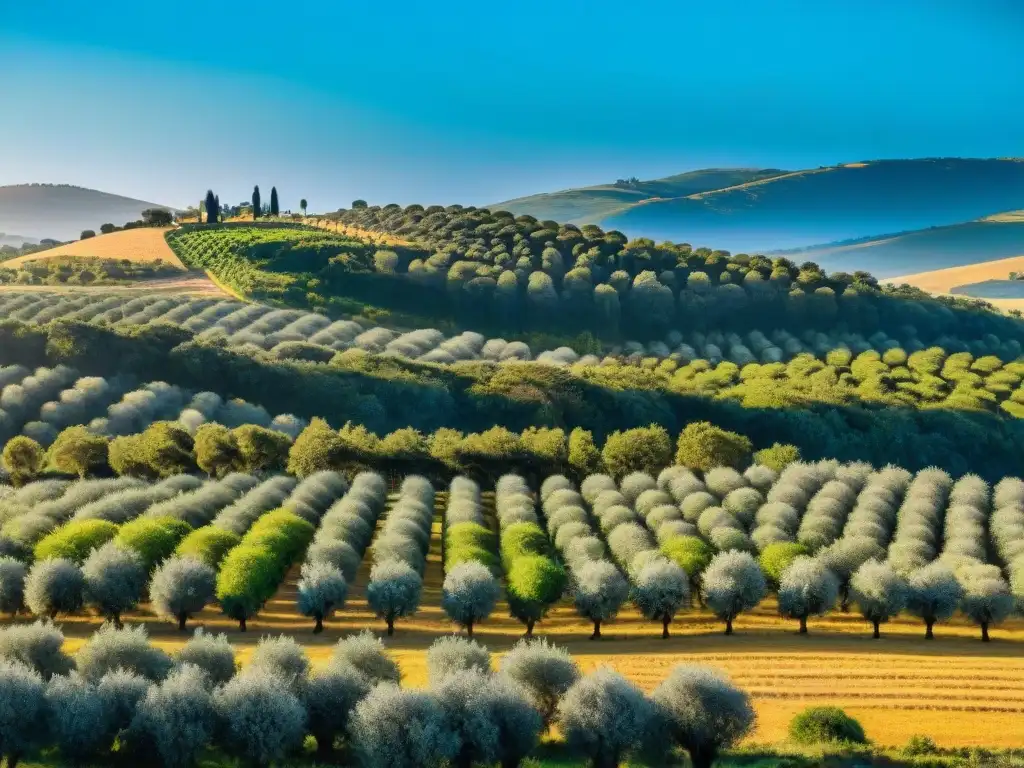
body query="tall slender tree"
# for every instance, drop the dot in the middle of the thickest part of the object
(302, 205)
(256, 202)
(212, 207)
(216, 199)
(275, 209)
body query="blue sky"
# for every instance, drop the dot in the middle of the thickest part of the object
(478, 102)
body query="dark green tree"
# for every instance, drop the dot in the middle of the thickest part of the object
(275, 209)
(302, 205)
(256, 202)
(212, 207)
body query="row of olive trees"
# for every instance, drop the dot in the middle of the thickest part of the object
(121, 690)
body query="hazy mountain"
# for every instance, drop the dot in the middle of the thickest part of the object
(61, 211)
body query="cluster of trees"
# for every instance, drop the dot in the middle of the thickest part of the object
(274, 207)
(120, 695)
(84, 270)
(151, 217)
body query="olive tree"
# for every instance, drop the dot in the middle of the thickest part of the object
(181, 587)
(329, 697)
(322, 590)
(121, 691)
(78, 718)
(807, 588)
(469, 594)
(879, 591)
(844, 557)
(394, 591)
(38, 645)
(110, 648)
(604, 716)
(448, 655)
(282, 657)
(211, 653)
(261, 721)
(368, 656)
(54, 586)
(987, 598)
(23, 710)
(933, 594)
(660, 590)
(400, 728)
(543, 671)
(702, 711)
(114, 580)
(12, 585)
(733, 583)
(175, 720)
(599, 590)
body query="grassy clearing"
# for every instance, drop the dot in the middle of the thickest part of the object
(142, 244)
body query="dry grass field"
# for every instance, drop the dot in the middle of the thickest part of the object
(142, 245)
(896, 687)
(951, 281)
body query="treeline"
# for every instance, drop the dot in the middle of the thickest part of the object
(388, 393)
(84, 270)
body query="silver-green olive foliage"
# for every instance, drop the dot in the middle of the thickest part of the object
(987, 598)
(604, 716)
(703, 712)
(543, 671)
(934, 594)
(599, 590)
(211, 653)
(329, 696)
(660, 590)
(807, 588)
(449, 655)
(12, 585)
(879, 591)
(38, 646)
(366, 653)
(111, 648)
(54, 586)
(175, 719)
(261, 721)
(394, 591)
(322, 590)
(282, 657)
(23, 710)
(401, 728)
(181, 587)
(469, 594)
(78, 717)
(115, 578)
(731, 584)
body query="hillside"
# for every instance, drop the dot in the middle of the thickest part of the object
(989, 239)
(61, 212)
(589, 205)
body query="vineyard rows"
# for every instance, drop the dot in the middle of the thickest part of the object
(297, 334)
(887, 540)
(43, 402)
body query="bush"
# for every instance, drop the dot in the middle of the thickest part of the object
(330, 695)
(449, 655)
(23, 459)
(660, 590)
(366, 654)
(469, 594)
(114, 580)
(181, 588)
(211, 653)
(261, 721)
(733, 583)
(121, 691)
(599, 590)
(816, 725)
(54, 586)
(12, 585)
(807, 589)
(282, 657)
(693, 555)
(78, 718)
(394, 591)
(23, 710)
(209, 544)
(704, 446)
(778, 456)
(75, 540)
(533, 584)
(543, 671)
(777, 557)
(110, 648)
(604, 716)
(175, 720)
(702, 711)
(38, 645)
(396, 728)
(153, 538)
(322, 590)
(644, 449)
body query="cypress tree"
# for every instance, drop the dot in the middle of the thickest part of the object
(212, 207)
(275, 210)
(216, 201)
(256, 202)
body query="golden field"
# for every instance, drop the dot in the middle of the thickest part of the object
(144, 244)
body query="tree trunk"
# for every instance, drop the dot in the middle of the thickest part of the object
(702, 758)
(319, 624)
(117, 621)
(529, 627)
(469, 628)
(464, 759)
(182, 618)
(728, 626)
(984, 632)
(324, 746)
(928, 634)
(803, 625)
(597, 630)
(241, 625)
(13, 760)
(877, 633)
(665, 621)
(844, 598)
(391, 627)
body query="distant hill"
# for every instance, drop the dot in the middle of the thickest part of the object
(772, 210)
(16, 241)
(61, 212)
(589, 205)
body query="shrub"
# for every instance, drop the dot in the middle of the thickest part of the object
(702, 711)
(449, 655)
(23, 710)
(543, 671)
(469, 594)
(816, 725)
(704, 446)
(110, 648)
(644, 449)
(604, 716)
(329, 696)
(599, 590)
(181, 588)
(261, 721)
(533, 584)
(121, 691)
(693, 555)
(733, 583)
(807, 589)
(114, 580)
(211, 653)
(366, 654)
(322, 590)
(660, 591)
(78, 718)
(282, 657)
(778, 456)
(12, 585)
(23, 458)
(75, 540)
(153, 538)
(175, 720)
(396, 728)
(77, 451)
(394, 591)
(777, 557)
(209, 544)
(54, 586)
(38, 645)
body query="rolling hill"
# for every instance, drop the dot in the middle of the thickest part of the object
(772, 210)
(61, 211)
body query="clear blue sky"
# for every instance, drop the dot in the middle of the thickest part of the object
(409, 101)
